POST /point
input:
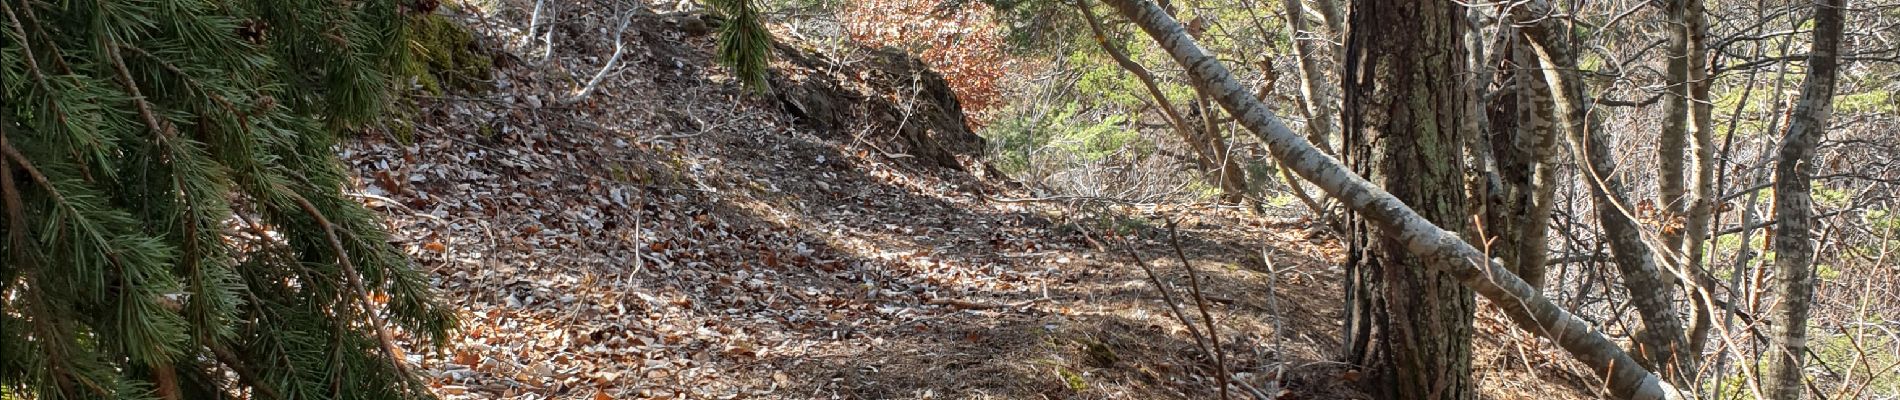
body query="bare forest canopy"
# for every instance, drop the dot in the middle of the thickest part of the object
(843, 199)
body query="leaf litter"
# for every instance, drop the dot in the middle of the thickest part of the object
(674, 237)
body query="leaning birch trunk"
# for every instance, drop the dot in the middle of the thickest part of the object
(1525, 306)
(1794, 207)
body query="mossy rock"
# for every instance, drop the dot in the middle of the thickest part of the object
(447, 57)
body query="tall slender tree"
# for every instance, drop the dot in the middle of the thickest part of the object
(1702, 166)
(1794, 206)
(1409, 325)
(1660, 340)
(1522, 137)
(175, 222)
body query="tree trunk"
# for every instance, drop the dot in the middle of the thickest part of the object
(1316, 101)
(1794, 207)
(1674, 139)
(1702, 190)
(1686, 127)
(1233, 179)
(1660, 341)
(1332, 16)
(1405, 128)
(1439, 249)
(1523, 140)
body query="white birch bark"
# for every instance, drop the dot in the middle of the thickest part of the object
(1660, 341)
(1702, 190)
(1794, 207)
(1525, 306)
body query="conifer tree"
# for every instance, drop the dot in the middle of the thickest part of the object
(175, 222)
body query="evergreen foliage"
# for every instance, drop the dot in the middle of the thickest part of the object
(175, 225)
(744, 44)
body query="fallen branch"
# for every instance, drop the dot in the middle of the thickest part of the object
(972, 305)
(620, 47)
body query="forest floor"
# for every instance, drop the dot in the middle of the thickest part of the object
(674, 236)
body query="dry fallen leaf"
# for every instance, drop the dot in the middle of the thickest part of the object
(467, 358)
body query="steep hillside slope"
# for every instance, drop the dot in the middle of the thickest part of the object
(675, 236)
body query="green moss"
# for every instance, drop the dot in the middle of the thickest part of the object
(1827, 272)
(1873, 101)
(446, 57)
(1071, 379)
(1099, 355)
(1831, 198)
(1861, 347)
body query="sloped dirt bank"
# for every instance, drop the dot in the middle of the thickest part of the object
(674, 236)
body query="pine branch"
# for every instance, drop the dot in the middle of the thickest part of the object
(120, 169)
(355, 281)
(243, 372)
(60, 374)
(744, 43)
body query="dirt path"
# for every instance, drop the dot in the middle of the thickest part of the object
(676, 238)
(784, 265)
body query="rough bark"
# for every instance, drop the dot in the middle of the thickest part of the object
(1406, 125)
(1660, 341)
(1794, 207)
(1440, 249)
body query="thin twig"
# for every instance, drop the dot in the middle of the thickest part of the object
(1166, 296)
(1200, 301)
